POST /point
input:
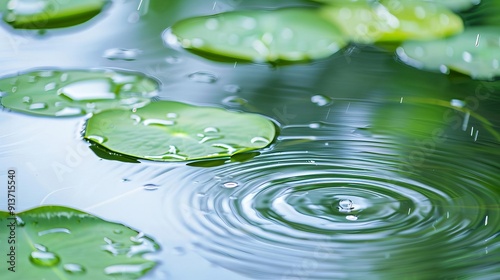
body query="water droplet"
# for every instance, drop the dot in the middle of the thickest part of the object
(259, 139)
(232, 88)
(457, 103)
(136, 118)
(44, 258)
(50, 86)
(73, 268)
(158, 122)
(321, 100)
(172, 115)
(211, 130)
(173, 60)
(351, 217)
(64, 77)
(151, 187)
(121, 54)
(27, 99)
(234, 101)
(20, 222)
(314, 125)
(345, 205)
(40, 247)
(97, 138)
(54, 230)
(230, 185)
(88, 90)
(467, 56)
(38, 106)
(203, 77)
(69, 111)
(129, 270)
(212, 24)
(117, 231)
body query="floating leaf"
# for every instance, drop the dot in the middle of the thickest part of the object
(173, 131)
(456, 5)
(45, 14)
(281, 35)
(75, 92)
(392, 20)
(53, 242)
(476, 52)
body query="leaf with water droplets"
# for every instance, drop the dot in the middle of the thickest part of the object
(173, 131)
(392, 20)
(65, 93)
(456, 5)
(460, 53)
(261, 36)
(54, 242)
(45, 14)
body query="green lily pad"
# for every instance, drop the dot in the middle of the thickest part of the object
(173, 131)
(456, 5)
(46, 14)
(288, 35)
(63, 93)
(392, 20)
(53, 242)
(460, 53)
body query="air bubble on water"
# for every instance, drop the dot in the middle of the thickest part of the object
(73, 268)
(121, 54)
(203, 77)
(27, 100)
(457, 103)
(321, 100)
(232, 88)
(97, 138)
(351, 217)
(136, 118)
(230, 185)
(259, 139)
(54, 230)
(173, 60)
(88, 90)
(172, 115)
(211, 130)
(345, 205)
(69, 111)
(234, 101)
(47, 259)
(38, 106)
(158, 122)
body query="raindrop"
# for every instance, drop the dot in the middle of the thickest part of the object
(117, 231)
(136, 118)
(69, 111)
(97, 138)
(40, 247)
(457, 103)
(203, 77)
(230, 185)
(88, 90)
(345, 205)
(259, 139)
(38, 106)
(234, 101)
(314, 125)
(64, 77)
(20, 222)
(351, 217)
(44, 258)
(158, 122)
(54, 230)
(321, 100)
(27, 99)
(73, 268)
(172, 115)
(127, 270)
(211, 130)
(151, 187)
(232, 88)
(212, 24)
(467, 56)
(121, 54)
(50, 86)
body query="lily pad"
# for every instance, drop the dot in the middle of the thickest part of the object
(63, 93)
(288, 35)
(53, 242)
(456, 5)
(393, 20)
(46, 14)
(173, 131)
(475, 52)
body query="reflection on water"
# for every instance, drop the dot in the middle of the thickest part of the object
(380, 171)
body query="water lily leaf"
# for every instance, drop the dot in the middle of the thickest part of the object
(393, 20)
(173, 131)
(63, 93)
(46, 14)
(53, 242)
(456, 5)
(260, 36)
(475, 52)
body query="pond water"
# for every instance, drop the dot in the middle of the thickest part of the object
(379, 170)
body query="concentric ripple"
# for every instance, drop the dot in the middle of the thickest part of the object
(307, 215)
